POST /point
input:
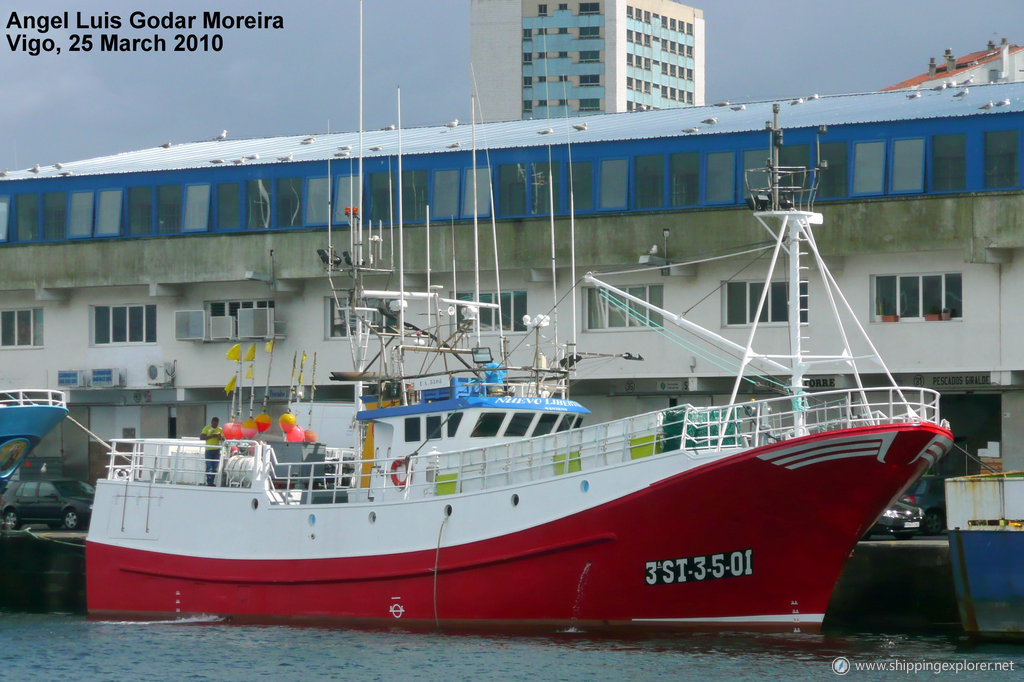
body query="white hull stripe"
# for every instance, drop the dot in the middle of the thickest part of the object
(791, 460)
(781, 618)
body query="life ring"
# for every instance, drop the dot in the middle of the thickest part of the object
(399, 466)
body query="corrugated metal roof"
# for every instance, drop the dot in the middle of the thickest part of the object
(720, 118)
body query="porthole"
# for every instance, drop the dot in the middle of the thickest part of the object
(372, 517)
(255, 504)
(515, 499)
(312, 520)
(447, 510)
(584, 485)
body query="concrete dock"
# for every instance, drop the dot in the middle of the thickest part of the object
(888, 585)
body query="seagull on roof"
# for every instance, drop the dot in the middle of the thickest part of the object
(987, 105)
(968, 80)
(1003, 103)
(238, 162)
(546, 131)
(798, 100)
(166, 145)
(723, 103)
(308, 140)
(58, 165)
(253, 157)
(34, 169)
(223, 135)
(962, 93)
(286, 157)
(580, 126)
(341, 155)
(3, 173)
(66, 173)
(941, 86)
(710, 121)
(376, 148)
(452, 123)
(454, 145)
(691, 130)
(345, 148)
(390, 126)
(914, 95)
(216, 160)
(738, 107)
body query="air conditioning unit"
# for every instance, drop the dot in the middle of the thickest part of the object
(222, 328)
(160, 373)
(189, 325)
(107, 378)
(72, 378)
(256, 323)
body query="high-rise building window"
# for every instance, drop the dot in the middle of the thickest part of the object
(542, 10)
(590, 8)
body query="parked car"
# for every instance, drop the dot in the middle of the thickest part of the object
(900, 520)
(58, 503)
(929, 493)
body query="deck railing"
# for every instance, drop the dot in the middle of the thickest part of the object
(697, 433)
(33, 396)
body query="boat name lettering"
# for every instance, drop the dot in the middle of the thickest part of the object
(698, 568)
(549, 402)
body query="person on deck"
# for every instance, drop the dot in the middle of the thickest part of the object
(213, 435)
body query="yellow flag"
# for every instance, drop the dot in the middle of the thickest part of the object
(248, 373)
(234, 352)
(301, 366)
(250, 354)
(270, 346)
(230, 386)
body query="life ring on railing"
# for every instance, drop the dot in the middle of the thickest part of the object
(399, 467)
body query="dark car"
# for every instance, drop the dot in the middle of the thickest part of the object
(929, 493)
(59, 503)
(900, 520)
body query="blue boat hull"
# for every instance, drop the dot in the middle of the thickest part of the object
(989, 580)
(21, 429)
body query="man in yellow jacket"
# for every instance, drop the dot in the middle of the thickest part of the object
(213, 435)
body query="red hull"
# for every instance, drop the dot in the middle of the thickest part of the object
(594, 568)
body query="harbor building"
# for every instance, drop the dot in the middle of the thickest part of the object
(1002, 63)
(129, 278)
(552, 60)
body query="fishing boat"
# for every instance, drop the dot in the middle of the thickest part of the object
(986, 545)
(26, 416)
(480, 496)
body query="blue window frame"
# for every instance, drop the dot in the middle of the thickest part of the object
(869, 167)
(720, 178)
(907, 166)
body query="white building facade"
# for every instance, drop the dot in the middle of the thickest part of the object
(551, 60)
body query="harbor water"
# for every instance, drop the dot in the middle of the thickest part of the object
(70, 646)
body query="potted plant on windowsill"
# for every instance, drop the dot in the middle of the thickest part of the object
(933, 315)
(946, 313)
(890, 318)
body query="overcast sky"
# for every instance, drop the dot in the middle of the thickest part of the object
(303, 78)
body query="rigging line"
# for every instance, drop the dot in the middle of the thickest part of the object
(734, 276)
(760, 246)
(719, 361)
(556, 303)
